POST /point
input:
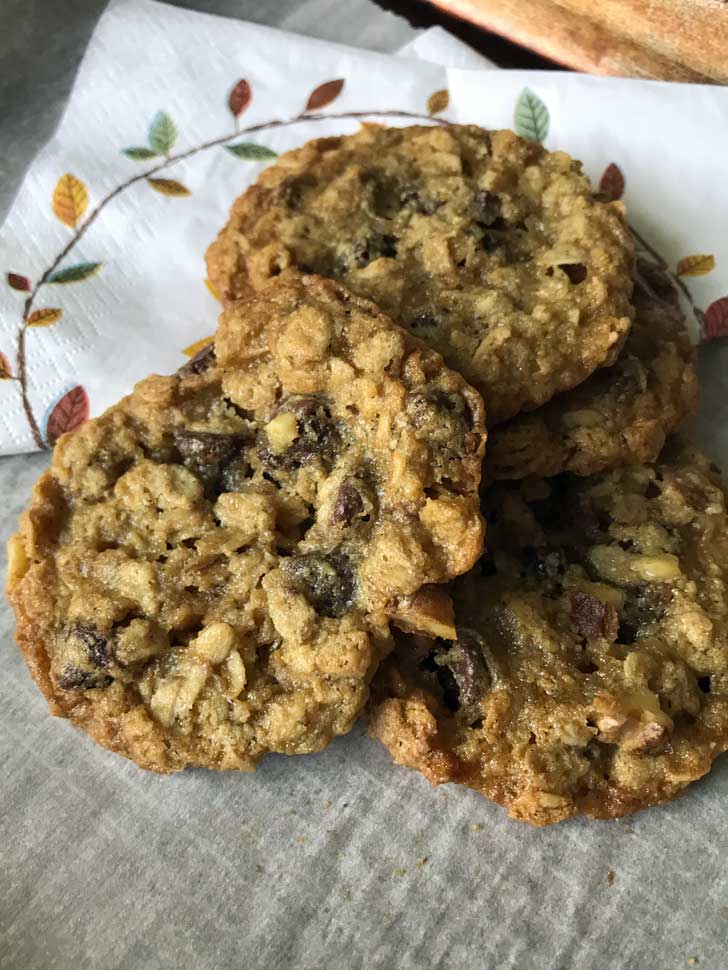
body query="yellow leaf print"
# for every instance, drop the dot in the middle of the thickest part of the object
(70, 200)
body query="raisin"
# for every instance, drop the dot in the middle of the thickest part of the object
(485, 208)
(348, 504)
(74, 678)
(466, 660)
(576, 272)
(629, 376)
(591, 618)
(200, 362)
(318, 435)
(326, 579)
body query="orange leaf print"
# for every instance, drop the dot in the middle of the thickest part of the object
(169, 187)
(5, 372)
(324, 94)
(70, 200)
(438, 101)
(197, 346)
(68, 413)
(715, 319)
(698, 265)
(213, 290)
(45, 317)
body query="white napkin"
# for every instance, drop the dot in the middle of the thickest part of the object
(121, 257)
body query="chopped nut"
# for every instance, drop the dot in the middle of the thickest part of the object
(213, 644)
(18, 562)
(282, 431)
(429, 611)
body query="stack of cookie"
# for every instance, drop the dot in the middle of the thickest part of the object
(288, 533)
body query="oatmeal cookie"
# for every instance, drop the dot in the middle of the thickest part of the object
(490, 248)
(590, 670)
(621, 414)
(207, 571)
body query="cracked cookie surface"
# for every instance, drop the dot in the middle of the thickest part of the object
(488, 247)
(621, 414)
(590, 671)
(207, 571)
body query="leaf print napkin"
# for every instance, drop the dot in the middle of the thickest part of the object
(101, 255)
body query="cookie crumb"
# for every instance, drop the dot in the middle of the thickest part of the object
(476, 827)
(327, 804)
(693, 961)
(421, 863)
(399, 872)
(610, 877)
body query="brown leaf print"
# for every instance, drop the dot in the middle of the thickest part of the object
(68, 413)
(438, 101)
(18, 282)
(324, 94)
(698, 265)
(45, 317)
(5, 372)
(240, 97)
(70, 200)
(169, 187)
(715, 320)
(611, 183)
(197, 346)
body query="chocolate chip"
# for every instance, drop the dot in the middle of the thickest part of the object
(291, 190)
(348, 504)
(200, 362)
(423, 320)
(318, 435)
(234, 476)
(643, 605)
(95, 643)
(413, 199)
(326, 579)
(576, 272)
(545, 569)
(704, 683)
(485, 207)
(206, 447)
(591, 618)
(74, 678)
(207, 454)
(656, 280)
(375, 246)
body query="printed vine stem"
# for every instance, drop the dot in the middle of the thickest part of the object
(661, 261)
(20, 359)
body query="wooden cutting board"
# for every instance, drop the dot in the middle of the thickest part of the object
(672, 40)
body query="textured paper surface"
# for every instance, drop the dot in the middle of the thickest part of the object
(126, 295)
(338, 860)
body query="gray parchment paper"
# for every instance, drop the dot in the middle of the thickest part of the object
(338, 860)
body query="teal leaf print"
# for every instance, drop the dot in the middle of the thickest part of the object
(162, 133)
(139, 154)
(531, 119)
(75, 273)
(250, 152)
